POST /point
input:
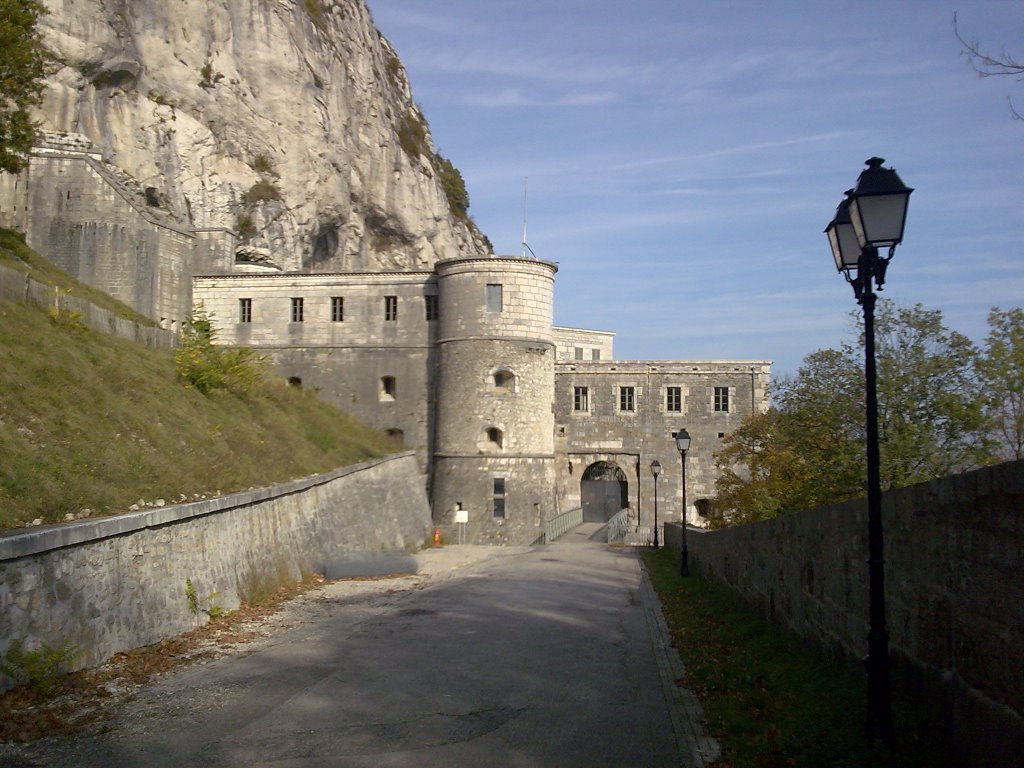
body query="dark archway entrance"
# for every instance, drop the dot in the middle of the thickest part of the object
(603, 492)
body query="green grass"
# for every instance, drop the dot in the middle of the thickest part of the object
(14, 254)
(770, 701)
(88, 421)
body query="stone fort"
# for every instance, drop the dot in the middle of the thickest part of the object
(514, 420)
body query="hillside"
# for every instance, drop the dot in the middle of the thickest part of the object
(91, 425)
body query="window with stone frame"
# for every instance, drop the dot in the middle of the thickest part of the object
(722, 399)
(245, 310)
(595, 354)
(432, 307)
(578, 353)
(580, 399)
(390, 308)
(337, 309)
(495, 297)
(297, 310)
(504, 381)
(627, 398)
(388, 388)
(674, 399)
(498, 496)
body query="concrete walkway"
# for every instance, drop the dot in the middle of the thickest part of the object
(545, 656)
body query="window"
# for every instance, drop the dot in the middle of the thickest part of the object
(498, 496)
(432, 307)
(580, 399)
(337, 309)
(390, 308)
(495, 438)
(494, 297)
(627, 398)
(244, 310)
(296, 310)
(721, 398)
(578, 352)
(595, 354)
(504, 381)
(674, 399)
(387, 388)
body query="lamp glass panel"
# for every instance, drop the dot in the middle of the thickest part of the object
(845, 248)
(878, 219)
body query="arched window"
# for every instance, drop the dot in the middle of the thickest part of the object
(504, 380)
(388, 388)
(495, 438)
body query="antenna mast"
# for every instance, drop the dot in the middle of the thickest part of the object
(525, 182)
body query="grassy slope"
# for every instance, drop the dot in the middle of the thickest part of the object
(92, 422)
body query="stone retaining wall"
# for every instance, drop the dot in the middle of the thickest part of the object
(954, 550)
(18, 286)
(110, 584)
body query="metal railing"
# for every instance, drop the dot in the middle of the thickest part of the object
(560, 525)
(619, 527)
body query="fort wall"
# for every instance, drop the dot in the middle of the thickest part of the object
(954, 550)
(115, 583)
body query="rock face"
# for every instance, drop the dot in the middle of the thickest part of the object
(291, 121)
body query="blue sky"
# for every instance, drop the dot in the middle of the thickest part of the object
(683, 158)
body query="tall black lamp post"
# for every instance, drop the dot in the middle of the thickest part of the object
(655, 470)
(872, 216)
(683, 445)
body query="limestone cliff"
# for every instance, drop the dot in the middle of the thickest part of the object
(291, 121)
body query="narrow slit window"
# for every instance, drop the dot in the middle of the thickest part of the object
(297, 310)
(388, 388)
(432, 307)
(390, 308)
(245, 310)
(337, 309)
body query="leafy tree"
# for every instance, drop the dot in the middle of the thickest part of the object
(1001, 368)
(22, 63)
(809, 449)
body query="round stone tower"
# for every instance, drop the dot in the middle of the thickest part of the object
(494, 444)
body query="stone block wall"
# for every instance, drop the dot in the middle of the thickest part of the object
(954, 552)
(602, 430)
(581, 344)
(111, 584)
(17, 286)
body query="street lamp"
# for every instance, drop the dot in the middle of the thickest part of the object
(872, 216)
(655, 470)
(683, 445)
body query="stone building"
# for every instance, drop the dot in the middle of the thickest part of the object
(514, 420)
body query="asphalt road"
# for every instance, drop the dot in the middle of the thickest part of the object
(550, 656)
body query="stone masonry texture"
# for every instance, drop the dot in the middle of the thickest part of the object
(954, 550)
(111, 584)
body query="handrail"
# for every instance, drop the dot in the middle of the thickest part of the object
(559, 525)
(618, 526)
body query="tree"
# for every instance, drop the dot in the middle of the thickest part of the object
(990, 65)
(1001, 368)
(22, 66)
(810, 448)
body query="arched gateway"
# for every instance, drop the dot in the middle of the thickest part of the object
(603, 491)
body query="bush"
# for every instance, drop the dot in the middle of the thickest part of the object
(262, 191)
(454, 186)
(208, 367)
(38, 668)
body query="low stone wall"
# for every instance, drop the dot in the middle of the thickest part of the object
(954, 550)
(17, 286)
(110, 584)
